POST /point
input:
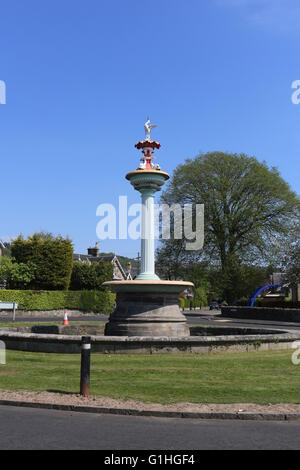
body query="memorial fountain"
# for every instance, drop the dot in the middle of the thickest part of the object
(147, 306)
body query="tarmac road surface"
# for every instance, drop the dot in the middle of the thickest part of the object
(22, 428)
(204, 318)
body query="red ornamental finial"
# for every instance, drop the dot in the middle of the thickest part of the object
(148, 146)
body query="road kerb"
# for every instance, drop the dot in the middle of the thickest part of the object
(244, 416)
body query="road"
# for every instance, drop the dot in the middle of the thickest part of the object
(22, 428)
(218, 320)
(204, 318)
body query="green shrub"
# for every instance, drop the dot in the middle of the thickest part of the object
(15, 275)
(51, 256)
(87, 276)
(86, 301)
(200, 298)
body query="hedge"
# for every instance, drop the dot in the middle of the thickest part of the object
(87, 276)
(86, 301)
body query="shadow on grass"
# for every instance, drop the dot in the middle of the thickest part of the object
(62, 392)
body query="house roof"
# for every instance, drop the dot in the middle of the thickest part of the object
(79, 257)
(107, 258)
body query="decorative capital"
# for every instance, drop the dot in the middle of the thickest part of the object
(144, 144)
(148, 148)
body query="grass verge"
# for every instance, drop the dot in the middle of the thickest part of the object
(257, 377)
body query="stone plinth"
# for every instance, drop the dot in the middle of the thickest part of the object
(147, 308)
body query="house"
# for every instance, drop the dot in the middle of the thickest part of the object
(280, 293)
(119, 273)
(296, 293)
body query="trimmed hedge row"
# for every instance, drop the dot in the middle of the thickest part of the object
(86, 301)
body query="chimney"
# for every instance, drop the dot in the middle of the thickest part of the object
(94, 251)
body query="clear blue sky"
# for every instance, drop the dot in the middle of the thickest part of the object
(82, 76)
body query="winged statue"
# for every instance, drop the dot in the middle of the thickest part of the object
(148, 128)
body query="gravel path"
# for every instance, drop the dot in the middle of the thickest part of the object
(77, 400)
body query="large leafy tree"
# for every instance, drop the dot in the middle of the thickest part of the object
(248, 209)
(291, 258)
(293, 265)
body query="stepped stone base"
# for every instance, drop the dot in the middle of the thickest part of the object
(147, 308)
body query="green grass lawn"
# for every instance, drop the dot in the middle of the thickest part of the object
(258, 377)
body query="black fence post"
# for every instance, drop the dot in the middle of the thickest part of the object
(85, 366)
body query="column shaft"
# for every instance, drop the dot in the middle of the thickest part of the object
(148, 242)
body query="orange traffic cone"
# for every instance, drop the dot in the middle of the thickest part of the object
(66, 321)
